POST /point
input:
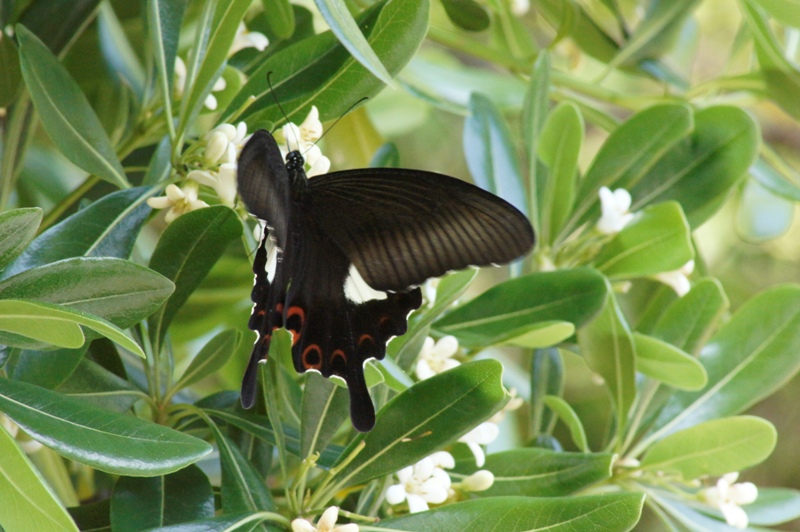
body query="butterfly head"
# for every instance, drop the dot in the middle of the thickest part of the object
(295, 162)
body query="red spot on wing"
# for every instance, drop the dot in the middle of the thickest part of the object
(312, 357)
(296, 311)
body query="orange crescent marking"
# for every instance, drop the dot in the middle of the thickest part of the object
(279, 307)
(364, 337)
(296, 311)
(339, 353)
(316, 348)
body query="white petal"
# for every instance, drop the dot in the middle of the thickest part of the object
(744, 493)
(520, 7)
(477, 451)
(416, 504)
(321, 166)
(349, 527)
(226, 186)
(734, 516)
(311, 128)
(301, 525)
(622, 200)
(328, 519)
(441, 476)
(405, 474)
(446, 347)
(396, 494)
(204, 177)
(675, 280)
(172, 214)
(227, 129)
(484, 433)
(423, 371)
(257, 40)
(161, 202)
(210, 102)
(427, 347)
(292, 135)
(423, 469)
(241, 133)
(478, 481)
(443, 459)
(432, 491)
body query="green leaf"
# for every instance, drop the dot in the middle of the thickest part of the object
(325, 407)
(691, 320)
(320, 71)
(490, 152)
(47, 369)
(59, 25)
(117, 444)
(607, 346)
(611, 512)
(117, 290)
(242, 487)
(785, 11)
(26, 500)
(505, 310)
(467, 14)
(281, 19)
(39, 322)
(570, 419)
(17, 229)
(66, 114)
(713, 448)
(535, 109)
(657, 240)
(703, 168)
(751, 356)
(629, 154)
(547, 378)
(211, 358)
(668, 364)
(10, 74)
(559, 147)
(774, 506)
(778, 178)
(141, 503)
(240, 522)
(424, 418)
(164, 25)
(534, 472)
(221, 32)
(95, 385)
(185, 253)
(542, 334)
(341, 22)
(106, 228)
(580, 26)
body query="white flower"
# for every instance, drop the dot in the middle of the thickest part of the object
(615, 206)
(436, 357)
(223, 181)
(480, 480)
(422, 483)
(520, 7)
(180, 84)
(178, 200)
(303, 138)
(728, 497)
(247, 39)
(678, 279)
(483, 434)
(326, 523)
(430, 287)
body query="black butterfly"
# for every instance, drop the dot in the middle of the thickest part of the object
(397, 226)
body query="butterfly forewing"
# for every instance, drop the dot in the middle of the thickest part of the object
(400, 227)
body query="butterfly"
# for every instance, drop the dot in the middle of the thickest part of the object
(398, 227)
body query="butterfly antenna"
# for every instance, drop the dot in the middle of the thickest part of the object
(342, 116)
(274, 97)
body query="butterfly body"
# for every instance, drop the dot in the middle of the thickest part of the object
(398, 227)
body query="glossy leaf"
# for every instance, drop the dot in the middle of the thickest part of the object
(559, 147)
(607, 346)
(27, 502)
(164, 24)
(10, 74)
(233, 522)
(281, 19)
(505, 310)
(17, 229)
(66, 114)
(535, 109)
(41, 319)
(691, 320)
(325, 407)
(141, 503)
(328, 76)
(657, 240)
(47, 369)
(341, 22)
(547, 378)
(211, 358)
(92, 383)
(221, 32)
(668, 364)
(117, 444)
(751, 356)
(58, 25)
(490, 153)
(570, 419)
(703, 168)
(542, 334)
(611, 512)
(185, 254)
(242, 487)
(106, 228)
(117, 290)
(713, 448)
(441, 408)
(774, 506)
(629, 154)
(467, 14)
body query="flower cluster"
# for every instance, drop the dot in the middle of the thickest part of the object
(303, 138)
